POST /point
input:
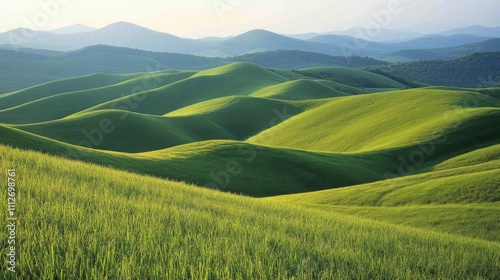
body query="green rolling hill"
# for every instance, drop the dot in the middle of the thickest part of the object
(311, 173)
(163, 228)
(200, 162)
(408, 118)
(136, 133)
(67, 103)
(299, 90)
(322, 133)
(232, 166)
(352, 77)
(461, 196)
(233, 79)
(61, 86)
(244, 116)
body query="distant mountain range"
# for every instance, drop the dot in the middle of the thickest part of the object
(474, 30)
(379, 35)
(350, 42)
(446, 53)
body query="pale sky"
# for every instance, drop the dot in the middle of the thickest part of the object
(201, 18)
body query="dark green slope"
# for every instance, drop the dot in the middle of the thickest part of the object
(351, 77)
(474, 70)
(244, 116)
(128, 132)
(294, 59)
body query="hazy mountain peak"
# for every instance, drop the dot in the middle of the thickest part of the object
(124, 25)
(258, 32)
(73, 29)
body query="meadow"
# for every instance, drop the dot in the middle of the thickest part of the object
(84, 221)
(243, 172)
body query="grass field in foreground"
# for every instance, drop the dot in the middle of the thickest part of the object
(84, 221)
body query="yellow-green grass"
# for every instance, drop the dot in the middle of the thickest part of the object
(472, 158)
(19, 97)
(299, 90)
(491, 91)
(64, 104)
(479, 183)
(350, 89)
(352, 77)
(201, 162)
(232, 166)
(480, 221)
(83, 221)
(387, 120)
(460, 200)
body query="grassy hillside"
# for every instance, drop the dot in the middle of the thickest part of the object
(299, 90)
(66, 85)
(131, 226)
(471, 220)
(235, 117)
(232, 166)
(244, 168)
(233, 79)
(244, 116)
(353, 124)
(67, 103)
(128, 132)
(460, 197)
(300, 135)
(473, 184)
(352, 77)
